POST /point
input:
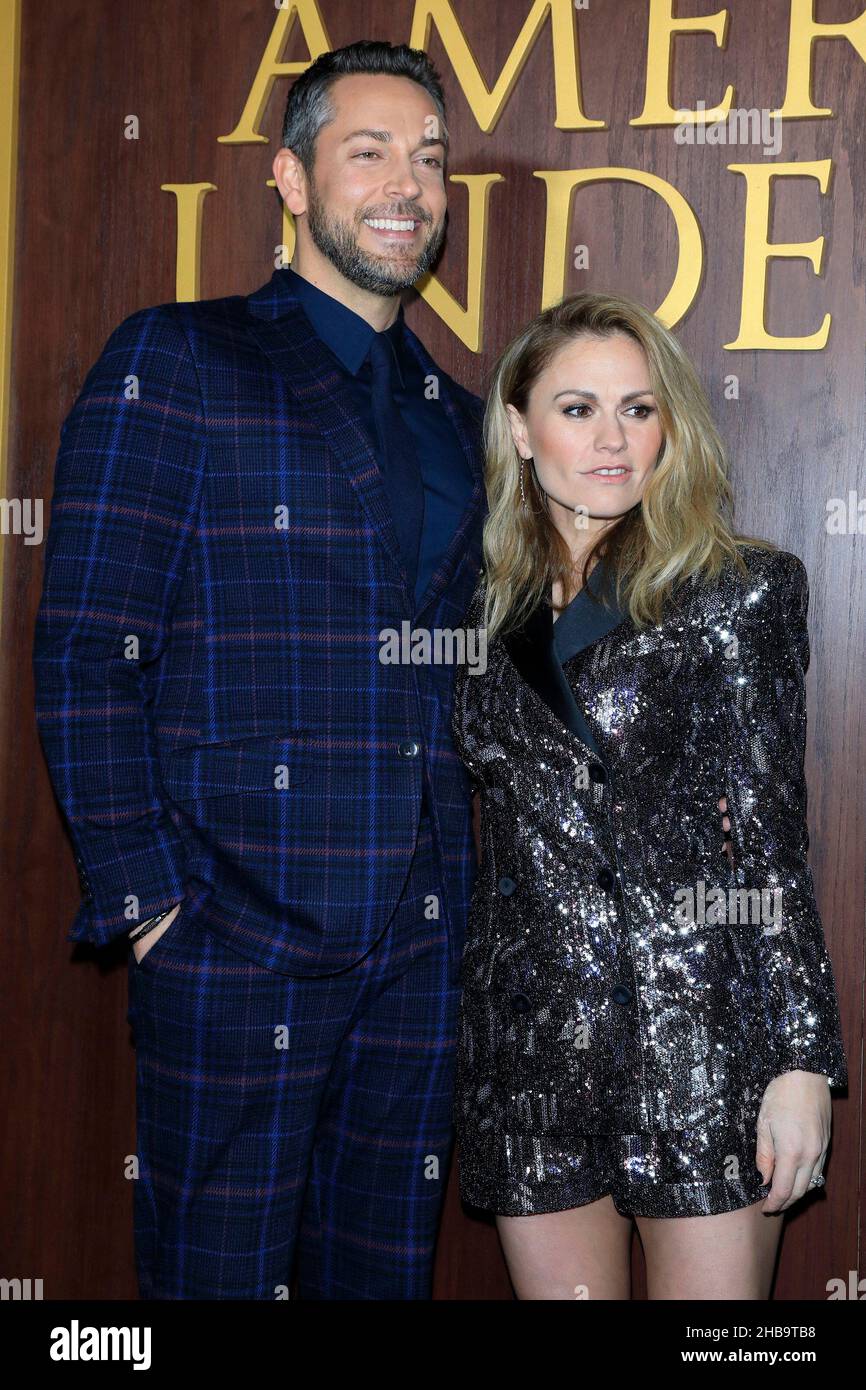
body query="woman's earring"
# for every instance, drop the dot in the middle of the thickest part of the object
(522, 493)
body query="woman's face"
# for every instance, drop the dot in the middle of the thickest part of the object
(592, 427)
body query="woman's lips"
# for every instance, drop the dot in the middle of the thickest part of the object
(610, 477)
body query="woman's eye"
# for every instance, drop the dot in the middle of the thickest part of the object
(649, 409)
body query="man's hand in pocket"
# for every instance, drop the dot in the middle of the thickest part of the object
(141, 948)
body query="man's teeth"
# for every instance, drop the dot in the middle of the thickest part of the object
(389, 224)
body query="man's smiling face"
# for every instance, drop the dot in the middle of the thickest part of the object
(376, 201)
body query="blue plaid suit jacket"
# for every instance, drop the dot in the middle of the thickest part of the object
(216, 719)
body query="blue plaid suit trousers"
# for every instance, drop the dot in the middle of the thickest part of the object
(294, 1125)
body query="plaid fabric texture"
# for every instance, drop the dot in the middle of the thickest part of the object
(220, 567)
(286, 1117)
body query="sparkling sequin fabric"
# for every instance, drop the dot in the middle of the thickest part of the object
(619, 976)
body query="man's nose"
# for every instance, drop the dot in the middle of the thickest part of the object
(403, 181)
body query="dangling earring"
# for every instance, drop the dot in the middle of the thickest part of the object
(522, 493)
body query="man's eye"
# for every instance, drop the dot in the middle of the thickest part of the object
(363, 152)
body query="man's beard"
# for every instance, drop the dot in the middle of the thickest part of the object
(383, 275)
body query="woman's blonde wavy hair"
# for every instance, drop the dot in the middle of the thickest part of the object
(682, 527)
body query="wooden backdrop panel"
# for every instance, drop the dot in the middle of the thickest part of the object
(96, 239)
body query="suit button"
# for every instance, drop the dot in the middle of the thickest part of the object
(408, 748)
(621, 994)
(606, 880)
(506, 886)
(520, 1003)
(597, 773)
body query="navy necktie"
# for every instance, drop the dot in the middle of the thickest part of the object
(401, 469)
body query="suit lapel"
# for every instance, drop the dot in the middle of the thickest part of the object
(278, 324)
(320, 389)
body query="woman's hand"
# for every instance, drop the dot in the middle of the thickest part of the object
(793, 1135)
(726, 826)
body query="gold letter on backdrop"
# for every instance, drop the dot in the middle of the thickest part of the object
(757, 251)
(560, 184)
(190, 200)
(270, 68)
(804, 33)
(663, 26)
(487, 106)
(466, 323)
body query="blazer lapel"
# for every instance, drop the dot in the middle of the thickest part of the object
(321, 391)
(532, 651)
(585, 620)
(277, 322)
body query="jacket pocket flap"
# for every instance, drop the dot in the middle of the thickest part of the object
(266, 763)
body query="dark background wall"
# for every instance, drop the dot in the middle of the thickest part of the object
(96, 238)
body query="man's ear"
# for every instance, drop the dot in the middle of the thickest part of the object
(291, 180)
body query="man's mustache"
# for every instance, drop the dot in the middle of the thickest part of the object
(415, 213)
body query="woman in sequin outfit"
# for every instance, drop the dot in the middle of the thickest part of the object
(649, 1026)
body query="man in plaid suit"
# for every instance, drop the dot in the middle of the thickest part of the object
(251, 493)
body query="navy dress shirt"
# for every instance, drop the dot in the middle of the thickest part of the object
(445, 472)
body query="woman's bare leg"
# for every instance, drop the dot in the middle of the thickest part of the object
(731, 1255)
(584, 1252)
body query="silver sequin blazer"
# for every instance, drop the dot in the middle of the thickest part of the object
(594, 998)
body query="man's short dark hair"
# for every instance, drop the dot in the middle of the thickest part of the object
(309, 106)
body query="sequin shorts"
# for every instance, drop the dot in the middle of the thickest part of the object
(687, 1172)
